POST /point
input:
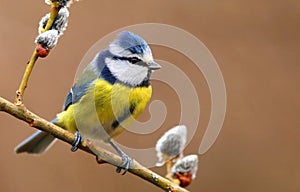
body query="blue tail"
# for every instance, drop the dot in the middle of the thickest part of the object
(37, 143)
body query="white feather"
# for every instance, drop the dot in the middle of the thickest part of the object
(126, 72)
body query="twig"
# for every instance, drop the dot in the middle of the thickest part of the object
(55, 7)
(23, 85)
(137, 169)
(20, 92)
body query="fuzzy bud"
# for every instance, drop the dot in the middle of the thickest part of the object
(62, 3)
(186, 166)
(47, 39)
(60, 23)
(171, 144)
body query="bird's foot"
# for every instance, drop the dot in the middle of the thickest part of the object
(126, 160)
(76, 142)
(126, 164)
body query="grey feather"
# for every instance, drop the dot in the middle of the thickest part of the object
(36, 144)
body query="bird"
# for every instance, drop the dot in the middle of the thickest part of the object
(112, 91)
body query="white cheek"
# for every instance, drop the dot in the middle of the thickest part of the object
(126, 72)
(117, 67)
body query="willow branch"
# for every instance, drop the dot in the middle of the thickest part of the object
(137, 169)
(53, 13)
(23, 84)
(20, 92)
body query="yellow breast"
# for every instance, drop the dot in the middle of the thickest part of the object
(106, 108)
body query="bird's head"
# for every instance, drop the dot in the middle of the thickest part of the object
(131, 61)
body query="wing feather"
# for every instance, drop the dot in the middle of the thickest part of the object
(80, 88)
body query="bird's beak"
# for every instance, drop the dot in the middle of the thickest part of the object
(154, 66)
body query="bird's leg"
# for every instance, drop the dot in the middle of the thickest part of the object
(76, 142)
(127, 161)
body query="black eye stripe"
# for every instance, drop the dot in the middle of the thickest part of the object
(132, 60)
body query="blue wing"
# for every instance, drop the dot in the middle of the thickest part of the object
(90, 73)
(75, 94)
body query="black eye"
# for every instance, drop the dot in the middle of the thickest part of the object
(133, 60)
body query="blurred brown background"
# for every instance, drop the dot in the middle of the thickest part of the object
(256, 44)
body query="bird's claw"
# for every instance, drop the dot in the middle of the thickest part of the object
(126, 160)
(126, 164)
(76, 142)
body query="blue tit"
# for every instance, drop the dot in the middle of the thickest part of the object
(116, 84)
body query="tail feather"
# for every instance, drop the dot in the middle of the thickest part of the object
(37, 143)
